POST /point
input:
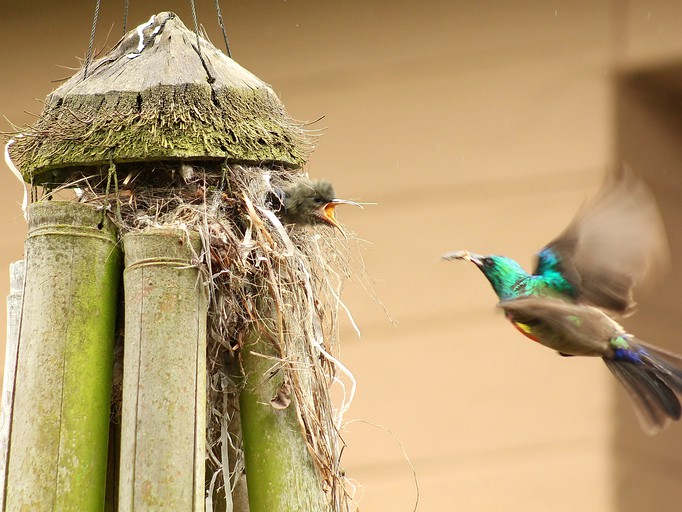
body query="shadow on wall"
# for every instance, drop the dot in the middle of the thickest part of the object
(649, 135)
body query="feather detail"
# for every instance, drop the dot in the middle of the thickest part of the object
(652, 378)
(613, 243)
(654, 402)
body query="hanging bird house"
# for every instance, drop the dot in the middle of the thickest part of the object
(186, 153)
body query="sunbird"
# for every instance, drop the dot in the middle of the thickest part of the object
(307, 202)
(612, 244)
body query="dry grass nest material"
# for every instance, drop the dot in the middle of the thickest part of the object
(283, 281)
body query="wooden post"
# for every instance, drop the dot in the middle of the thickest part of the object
(60, 419)
(163, 428)
(14, 299)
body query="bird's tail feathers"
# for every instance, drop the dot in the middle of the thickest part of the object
(667, 363)
(652, 379)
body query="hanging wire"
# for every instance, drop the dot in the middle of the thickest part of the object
(125, 16)
(222, 27)
(196, 27)
(211, 78)
(88, 56)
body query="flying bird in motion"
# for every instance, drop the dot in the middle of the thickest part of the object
(611, 245)
(307, 202)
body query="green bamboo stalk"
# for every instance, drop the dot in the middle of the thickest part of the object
(163, 428)
(280, 472)
(60, 422)
(16, 293)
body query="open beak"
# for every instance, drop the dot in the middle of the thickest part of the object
(465, 255)
(326, 211)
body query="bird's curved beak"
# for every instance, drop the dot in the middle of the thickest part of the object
(465, 255)
(326, 211)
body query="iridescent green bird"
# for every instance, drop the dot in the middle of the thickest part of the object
(611, 245)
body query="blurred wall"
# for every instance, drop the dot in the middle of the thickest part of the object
(647, 471)
(479, 125)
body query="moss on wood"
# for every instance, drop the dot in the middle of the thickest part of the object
(164, 102)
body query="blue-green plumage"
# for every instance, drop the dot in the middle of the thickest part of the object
(510, 281)
(549, 271)
(611, 244)
(624, 350)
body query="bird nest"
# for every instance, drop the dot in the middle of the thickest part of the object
(282, 282)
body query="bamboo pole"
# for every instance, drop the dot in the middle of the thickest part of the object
(280, 472)
(60, 420)
(16, 293)
(163, 428)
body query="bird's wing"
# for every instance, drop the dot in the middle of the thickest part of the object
(612, 244)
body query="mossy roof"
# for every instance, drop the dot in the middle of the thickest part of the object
(154, 97)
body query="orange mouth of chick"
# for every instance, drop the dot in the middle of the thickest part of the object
(326, 213)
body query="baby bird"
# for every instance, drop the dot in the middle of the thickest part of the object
(307, 202)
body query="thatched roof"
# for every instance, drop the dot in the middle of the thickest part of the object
(154, 97)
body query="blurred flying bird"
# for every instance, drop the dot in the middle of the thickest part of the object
(612, 244)
(307, 202)
(651, 376)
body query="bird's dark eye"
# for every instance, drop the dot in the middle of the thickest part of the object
(488, 262)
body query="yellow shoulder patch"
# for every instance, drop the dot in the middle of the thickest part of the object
(523, 327)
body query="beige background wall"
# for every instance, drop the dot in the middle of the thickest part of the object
(479, 125)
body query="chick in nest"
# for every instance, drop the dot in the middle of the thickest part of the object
(307, 202)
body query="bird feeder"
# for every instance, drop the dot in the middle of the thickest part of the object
(230, 316)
